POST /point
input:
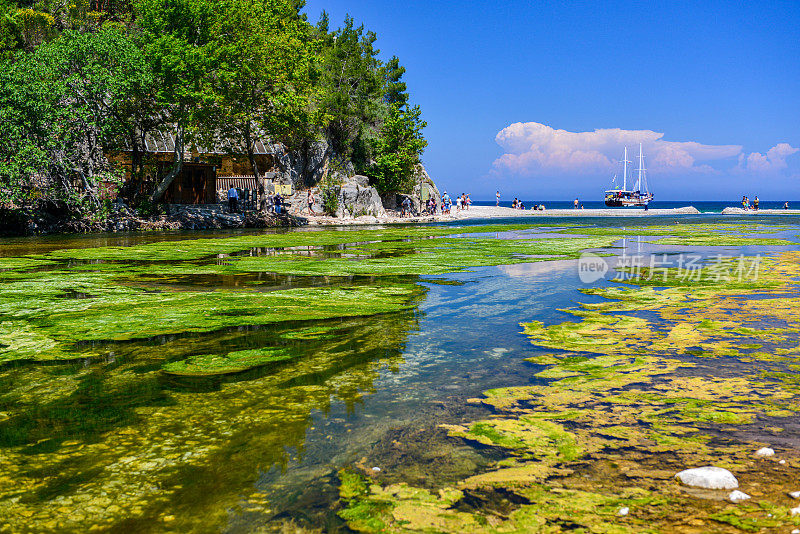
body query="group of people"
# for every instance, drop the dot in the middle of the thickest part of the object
(517, 204)
(275, 202)
(746, 203)
(462, 202)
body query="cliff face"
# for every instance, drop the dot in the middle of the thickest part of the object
(308, 166)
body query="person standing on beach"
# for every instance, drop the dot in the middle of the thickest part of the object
(497, 202)
(311, 203)
(786, 205)
(755, 203)
(576, 203)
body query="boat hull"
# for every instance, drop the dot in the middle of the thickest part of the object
(626, 203)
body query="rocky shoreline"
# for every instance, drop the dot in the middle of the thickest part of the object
(216, 216)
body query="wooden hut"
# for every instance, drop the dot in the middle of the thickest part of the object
(205, 172)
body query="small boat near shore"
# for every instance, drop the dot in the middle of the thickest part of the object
(626, 198)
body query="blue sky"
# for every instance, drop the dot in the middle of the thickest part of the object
(539, 98)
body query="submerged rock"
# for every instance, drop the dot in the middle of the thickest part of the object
(737, 496)
(709, 477)
(765, 452)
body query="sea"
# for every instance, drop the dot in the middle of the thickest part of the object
(704, 206)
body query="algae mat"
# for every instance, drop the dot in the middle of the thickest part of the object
(652, 381)
(150, 387)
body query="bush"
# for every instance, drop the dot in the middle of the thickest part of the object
(330, 200)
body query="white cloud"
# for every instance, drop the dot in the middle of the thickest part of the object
(771, 162)
(534, 149)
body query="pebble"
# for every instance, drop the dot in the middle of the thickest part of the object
(765, 451)
(796, 531)
(794, 494)
(795, 511)
(737, 496)
(376, 469)
(623, 511)
(709, 477)
(782, 462)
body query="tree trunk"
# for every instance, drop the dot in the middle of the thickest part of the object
(162, 187)
(251, 156)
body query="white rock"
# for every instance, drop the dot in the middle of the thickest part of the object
(623, 511)
(765, 451)
(376, 469)
(782, 462)
(795, 511)
(794, 494)
(796, 531)
(708, 477)
(737, 496)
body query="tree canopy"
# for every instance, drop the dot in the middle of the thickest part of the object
(79, 81)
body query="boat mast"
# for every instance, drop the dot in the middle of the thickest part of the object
(642, 171)
(625, 170)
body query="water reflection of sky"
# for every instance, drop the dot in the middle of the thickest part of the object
(469, 340)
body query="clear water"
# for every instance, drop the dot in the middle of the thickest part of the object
(268, 443)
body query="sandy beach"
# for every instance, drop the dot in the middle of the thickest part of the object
(491, 212)
(740, 211)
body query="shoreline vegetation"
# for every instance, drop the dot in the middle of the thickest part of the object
(138, 105)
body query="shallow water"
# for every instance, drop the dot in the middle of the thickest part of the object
(122, 443)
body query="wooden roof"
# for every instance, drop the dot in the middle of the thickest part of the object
(164, 142)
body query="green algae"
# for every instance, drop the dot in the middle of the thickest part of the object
(23, 263)
(116, 452)
(275, 242)
(161, 448)
(239, 360)
(430, 257)
(627, 397)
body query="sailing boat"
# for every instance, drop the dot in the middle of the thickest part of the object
(621, 198)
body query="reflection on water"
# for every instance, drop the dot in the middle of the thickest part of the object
(118, 436)
(117, 442)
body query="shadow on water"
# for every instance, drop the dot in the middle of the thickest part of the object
(220, 432)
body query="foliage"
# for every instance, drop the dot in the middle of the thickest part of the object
(351, 81)
(398, 150)
(83, 80)
(330, 200)
(62, 105)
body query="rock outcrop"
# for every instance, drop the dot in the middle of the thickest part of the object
(310, 164)
(357, 198)
(424, 188)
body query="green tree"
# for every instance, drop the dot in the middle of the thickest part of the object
(263, 84)
(61, 108)
(397, 150)
(395, 92)
(352, 83)
(178, 41)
